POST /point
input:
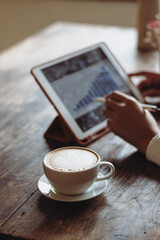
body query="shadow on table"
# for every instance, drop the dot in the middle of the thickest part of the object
(9, 237)
(136, 165)
(53, 144)
(61, 216)
(71, 209)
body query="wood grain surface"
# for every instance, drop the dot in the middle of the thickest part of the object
(130, 206)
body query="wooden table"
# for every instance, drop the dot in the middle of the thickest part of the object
(130, 206)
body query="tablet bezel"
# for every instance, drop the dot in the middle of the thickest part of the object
(58, 104)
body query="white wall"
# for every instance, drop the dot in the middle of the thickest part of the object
(21, 18)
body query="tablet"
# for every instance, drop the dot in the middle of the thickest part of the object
(71, 82)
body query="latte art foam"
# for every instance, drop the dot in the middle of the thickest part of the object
(71, 160)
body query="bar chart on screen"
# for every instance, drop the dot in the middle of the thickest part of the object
(101, 85)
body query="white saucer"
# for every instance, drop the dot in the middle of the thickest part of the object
(47, 190)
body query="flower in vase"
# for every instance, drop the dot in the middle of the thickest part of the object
(153, 33)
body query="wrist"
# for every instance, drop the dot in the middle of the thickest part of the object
(146, 141)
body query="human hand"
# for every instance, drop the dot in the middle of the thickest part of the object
(149, 86)
(128, 119)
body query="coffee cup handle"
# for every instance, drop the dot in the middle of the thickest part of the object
(111, 172)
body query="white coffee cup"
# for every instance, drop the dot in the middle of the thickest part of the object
(72, 170)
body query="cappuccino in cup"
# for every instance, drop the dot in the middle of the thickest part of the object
(72, 160)
(72, 170)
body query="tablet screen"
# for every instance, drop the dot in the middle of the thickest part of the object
(79, 79)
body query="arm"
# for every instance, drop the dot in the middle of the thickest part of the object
(127, 119)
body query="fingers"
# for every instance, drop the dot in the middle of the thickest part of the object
(151, 79)
(142, 73)
(151, 92)
(150, 86)
(109, 113)
(144, 84)
(117, 96)
(118, 100)
(109, 124)
(149, 82)
(112, 104)
(118, 104)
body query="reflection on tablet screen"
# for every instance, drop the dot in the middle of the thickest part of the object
(80, 79)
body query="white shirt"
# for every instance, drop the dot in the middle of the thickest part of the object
(153, 150)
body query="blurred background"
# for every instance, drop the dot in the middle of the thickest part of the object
(22, 18)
